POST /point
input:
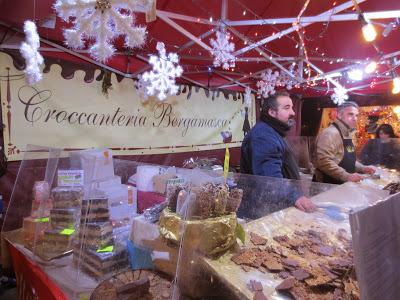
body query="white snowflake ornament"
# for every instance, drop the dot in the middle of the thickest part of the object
(141, 87)
(222, 50)
(29, 50)
(285, 80)
(339, 95)
(103, 21)
(266, 86)
(162, 78)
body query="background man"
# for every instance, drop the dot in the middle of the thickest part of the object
(335, 160)
(264, 149)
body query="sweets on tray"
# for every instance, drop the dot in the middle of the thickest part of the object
(96, 235)
(134, 284)
(95, 209)
(66, 197)
(309, 264)
(34, 228)
(213, 200)
(64, 217)
(58, 241)
(393, 187)
(100, 264)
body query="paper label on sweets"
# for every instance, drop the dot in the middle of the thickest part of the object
(70, 177)
(175, 181)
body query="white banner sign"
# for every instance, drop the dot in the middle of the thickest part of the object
(72, 114)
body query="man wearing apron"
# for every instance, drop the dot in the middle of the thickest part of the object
(335, 160)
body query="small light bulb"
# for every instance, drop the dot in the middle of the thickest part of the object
(355, 74)
(396, 85)
(396, 110)
(211, 19)
(371, 67)
(244, 13)
(369, 32)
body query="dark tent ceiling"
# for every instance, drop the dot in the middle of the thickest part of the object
(262, 32)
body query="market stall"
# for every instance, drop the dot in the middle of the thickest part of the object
(123, 122)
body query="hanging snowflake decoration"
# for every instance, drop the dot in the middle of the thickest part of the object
(29, 50)
(339, 95)
(222, 50)
(247, 97)
(141, 87)
(162, 77)
(103, 21)
(285, 80)
(266, 86)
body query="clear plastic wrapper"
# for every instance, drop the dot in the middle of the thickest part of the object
(376, 248)
(152, 214)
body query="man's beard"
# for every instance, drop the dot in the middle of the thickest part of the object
(291, 122)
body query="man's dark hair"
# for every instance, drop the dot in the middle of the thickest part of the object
(272, 102)
(347, 104)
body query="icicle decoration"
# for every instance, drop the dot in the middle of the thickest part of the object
(29, 50)
(102, 21)
(247, 97)
(162, 78)
(222, 50)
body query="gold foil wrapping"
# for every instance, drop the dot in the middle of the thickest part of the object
(210, 236)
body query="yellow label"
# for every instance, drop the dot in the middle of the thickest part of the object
(130, 196)
(226, 162)
(42, 220)
(83, 297)
(67, 231)
(106, 249)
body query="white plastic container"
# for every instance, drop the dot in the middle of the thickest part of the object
(97, 164)
(144, 177)
(121, 195)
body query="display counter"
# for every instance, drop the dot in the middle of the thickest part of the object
(80, 231)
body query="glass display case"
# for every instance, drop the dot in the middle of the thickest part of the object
(106, 228)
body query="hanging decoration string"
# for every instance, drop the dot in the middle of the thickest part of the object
(301, 37)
